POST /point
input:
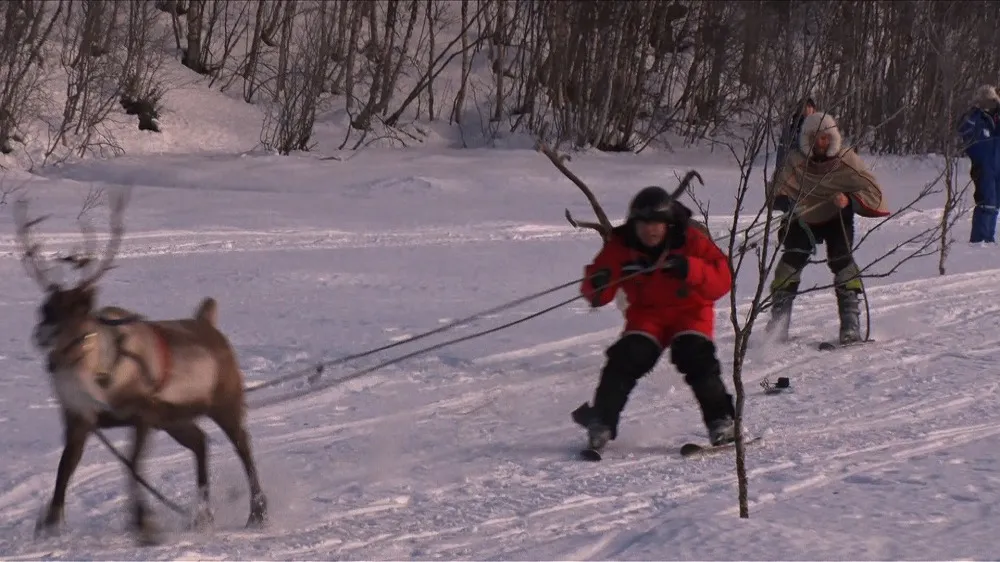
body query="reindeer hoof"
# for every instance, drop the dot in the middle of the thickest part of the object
(48, 524)
(203, 518)
(258, 513)
(45, 530)
(146, 532)
(148, 535)
(257, 520)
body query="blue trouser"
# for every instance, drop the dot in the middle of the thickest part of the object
(987, 198)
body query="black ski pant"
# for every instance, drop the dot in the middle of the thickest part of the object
(800, 242)
(635, 354)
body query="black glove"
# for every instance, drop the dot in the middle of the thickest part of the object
(782, 229)
(599, 281)
(782, 203)
(676, 266)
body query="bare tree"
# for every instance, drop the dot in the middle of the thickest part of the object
(614, 76)
(143, 85)
(436, 64)
(93, 82)
(25, 27)
(8, 190)
(948, 91)
(94, 199)
(459, 103)
(290, 120)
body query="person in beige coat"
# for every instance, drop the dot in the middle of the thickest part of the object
(821, 187)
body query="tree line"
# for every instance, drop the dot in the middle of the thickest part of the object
(612, 75)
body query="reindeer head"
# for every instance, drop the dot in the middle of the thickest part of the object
(67, 326)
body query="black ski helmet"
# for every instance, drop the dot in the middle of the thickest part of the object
(653, 204)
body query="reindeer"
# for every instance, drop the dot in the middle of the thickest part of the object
(115, 368)
(603, 225)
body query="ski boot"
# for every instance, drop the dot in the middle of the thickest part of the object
(721, 431)
(781, 315)
(848, 305)
(783, 289)
(850, 317)
(598, 435)
(583, 415)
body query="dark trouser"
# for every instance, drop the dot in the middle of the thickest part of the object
(800, 242)
(635, 355)
(987, 198)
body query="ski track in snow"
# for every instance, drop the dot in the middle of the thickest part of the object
(174, 243)
(477, 460)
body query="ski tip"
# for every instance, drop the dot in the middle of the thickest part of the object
(829, 346)
(692, 449)
(688, 449)
(591, 455)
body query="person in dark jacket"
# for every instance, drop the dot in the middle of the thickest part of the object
(790, 135)
(980, 135)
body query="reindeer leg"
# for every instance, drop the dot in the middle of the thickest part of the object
(141, 523)
(231, 423)
(193, 438)
(75, 438)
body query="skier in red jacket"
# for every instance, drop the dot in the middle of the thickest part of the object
(671, 304)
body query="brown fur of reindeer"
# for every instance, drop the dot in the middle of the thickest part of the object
(603, 226)
(115, 368)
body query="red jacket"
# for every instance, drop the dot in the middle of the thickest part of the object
(658, 293)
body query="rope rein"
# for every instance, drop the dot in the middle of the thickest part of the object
(315, 376)
(316, 370)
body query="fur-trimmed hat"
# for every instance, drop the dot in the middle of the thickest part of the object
(986, 97)
(818, 122)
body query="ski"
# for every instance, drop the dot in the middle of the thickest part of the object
(582, 416)
(698, 449)
(832, 345)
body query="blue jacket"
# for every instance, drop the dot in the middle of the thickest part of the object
(980, 134)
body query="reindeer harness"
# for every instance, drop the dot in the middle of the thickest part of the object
(105, 372)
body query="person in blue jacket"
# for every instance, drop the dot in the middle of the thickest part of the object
(980, 135)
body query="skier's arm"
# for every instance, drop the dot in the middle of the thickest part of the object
(708, 272)
(598, 286)
(976, 138)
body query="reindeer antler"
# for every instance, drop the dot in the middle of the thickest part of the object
(117, 204)
(685, 182)
(603, 226)
(31, 251)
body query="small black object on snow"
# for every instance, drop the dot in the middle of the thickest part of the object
(782, 384)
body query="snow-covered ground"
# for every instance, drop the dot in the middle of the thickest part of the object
(468, 452)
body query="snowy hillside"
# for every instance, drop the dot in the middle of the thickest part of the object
(468, 452)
